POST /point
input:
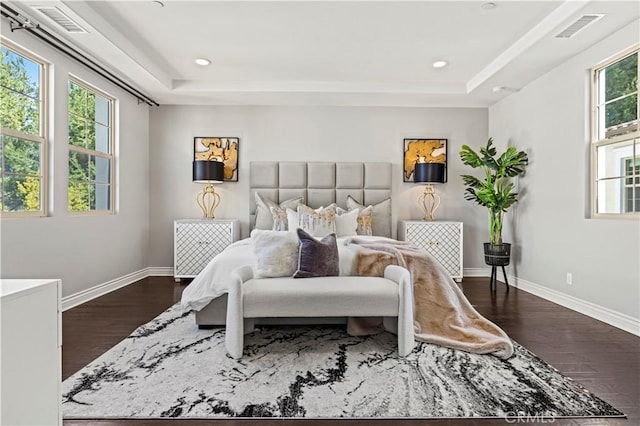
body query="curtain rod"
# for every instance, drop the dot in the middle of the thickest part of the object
(39, 32)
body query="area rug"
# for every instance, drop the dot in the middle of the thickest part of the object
(170, 368)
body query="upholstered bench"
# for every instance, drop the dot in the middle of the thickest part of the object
(389, 296)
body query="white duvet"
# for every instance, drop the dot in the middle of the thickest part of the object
(214, 279)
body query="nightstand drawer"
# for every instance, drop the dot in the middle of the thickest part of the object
(196, 242)
(443, 240)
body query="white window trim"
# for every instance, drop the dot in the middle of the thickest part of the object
(596, 143)
(110, 156)
(634, 178)
(41, 138)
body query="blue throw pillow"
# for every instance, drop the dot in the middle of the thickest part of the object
(317, 258)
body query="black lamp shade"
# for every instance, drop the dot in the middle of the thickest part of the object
(429, 173)
(208, 171)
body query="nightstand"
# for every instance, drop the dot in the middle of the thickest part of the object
(197, 241)
(443, 240)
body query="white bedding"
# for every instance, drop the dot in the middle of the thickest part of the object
(213, 280)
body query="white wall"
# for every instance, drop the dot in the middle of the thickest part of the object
(83, 251)
(550, 227)
(554, 234)
(306, 134)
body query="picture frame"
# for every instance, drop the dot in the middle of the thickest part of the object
(225, 149)
(430, 150)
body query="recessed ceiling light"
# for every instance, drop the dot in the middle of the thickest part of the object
(440, 64)
(157, 3)
(499, 89)
(203, 62)
(488, 6)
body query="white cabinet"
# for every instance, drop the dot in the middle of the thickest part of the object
(30, 358)
(197, 241)
(443, 240)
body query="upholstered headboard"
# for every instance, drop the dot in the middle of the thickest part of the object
(319, 183)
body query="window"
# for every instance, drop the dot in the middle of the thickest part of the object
(90, 187)
(616, 137)
(23, 146)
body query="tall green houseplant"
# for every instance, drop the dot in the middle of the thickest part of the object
(495, 192)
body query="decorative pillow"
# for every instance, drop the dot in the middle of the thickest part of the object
(264, 218)
(279, 219)
(317, 258)
(365, 221)
(319, 222)
(276, 252)
(346, 222)
(292, 220)
(381, 216)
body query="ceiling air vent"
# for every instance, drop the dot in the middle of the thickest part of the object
(60, 18)
(579, 25)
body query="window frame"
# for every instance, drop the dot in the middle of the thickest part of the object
(110, 156)
(634, 186)
(596, 143)
(41, 138)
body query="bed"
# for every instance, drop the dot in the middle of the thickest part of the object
(441, 313)
(319, 184)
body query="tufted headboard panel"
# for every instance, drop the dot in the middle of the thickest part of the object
(319, 183)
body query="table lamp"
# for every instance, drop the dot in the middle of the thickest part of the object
(429, 173)
(208, 172)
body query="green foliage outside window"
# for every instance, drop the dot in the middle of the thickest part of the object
(621, 79)
(21, 166)
(79, 135)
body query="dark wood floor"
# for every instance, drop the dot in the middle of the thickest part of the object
(602, 358)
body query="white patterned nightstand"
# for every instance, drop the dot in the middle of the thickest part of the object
(443, 240)
(197, 241)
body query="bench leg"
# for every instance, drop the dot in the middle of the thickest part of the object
(406, 340)
(234, 334)
(234, 337)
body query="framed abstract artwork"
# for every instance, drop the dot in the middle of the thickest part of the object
(221, 149)
(423, 151)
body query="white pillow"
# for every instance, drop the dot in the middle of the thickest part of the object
(364, 220)
(318, 223)
(381, 223)
(276, 252)
(280, 222)
(346, 222)
(264, 218)
(292, 220)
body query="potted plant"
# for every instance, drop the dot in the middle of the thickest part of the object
(495, 192)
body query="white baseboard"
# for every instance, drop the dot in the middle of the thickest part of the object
(81, 297)
(476, 272)
(161, 271)
(611, 317)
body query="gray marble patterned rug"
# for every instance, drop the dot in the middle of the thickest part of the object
(170, 368)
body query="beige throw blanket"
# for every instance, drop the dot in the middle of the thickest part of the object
(442, 313)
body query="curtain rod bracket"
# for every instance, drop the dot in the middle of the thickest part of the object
(149, 102)
(15, 25)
